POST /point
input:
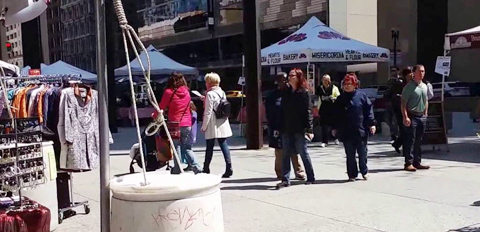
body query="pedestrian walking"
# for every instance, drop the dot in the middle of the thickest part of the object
(394, 93)
(176, 101)
(216, 128)
(275, 121)
(297, 126)
(414, 111)
(193, 138)
(327, 93)
(390, 118)
(354, 122)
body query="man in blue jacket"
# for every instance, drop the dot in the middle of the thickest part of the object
(354, 122)
(275, 121)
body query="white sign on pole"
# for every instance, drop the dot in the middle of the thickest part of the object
(241, 81)
(443, 65)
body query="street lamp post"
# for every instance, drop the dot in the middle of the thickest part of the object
(395, 36)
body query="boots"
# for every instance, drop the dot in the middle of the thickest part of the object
(228, 171)
(206, 169)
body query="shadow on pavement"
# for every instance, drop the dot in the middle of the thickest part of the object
(250, 187)
(386, 170)
(461, 150)
(252, 180)
(474, 228)
(476, 203)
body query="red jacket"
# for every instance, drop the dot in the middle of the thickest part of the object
(178, 106)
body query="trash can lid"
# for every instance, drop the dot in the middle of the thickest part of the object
(162, 186)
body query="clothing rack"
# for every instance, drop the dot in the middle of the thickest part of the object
(66, 212)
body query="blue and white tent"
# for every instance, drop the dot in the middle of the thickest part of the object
(62, 68)
(160, 65)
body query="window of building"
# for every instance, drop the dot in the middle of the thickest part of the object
(16, 53)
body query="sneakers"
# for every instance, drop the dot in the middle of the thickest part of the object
(323, 145)
(351, 179)
(283, 184)
(410, 168)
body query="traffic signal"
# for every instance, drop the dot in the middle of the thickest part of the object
(9, 46)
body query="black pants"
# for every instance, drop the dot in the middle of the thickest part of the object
(401, 128)
(326, 133)
(413, 137)
(355, 146)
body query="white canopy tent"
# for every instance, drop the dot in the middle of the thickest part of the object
(61, 67)
(466, 39)
(9, 69)
(317, 43)
(469, 38)
(160, 65)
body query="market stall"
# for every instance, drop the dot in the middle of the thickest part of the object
(60, 68)
(316, 43)
(161, 65)
(466, 39)
(161, 68)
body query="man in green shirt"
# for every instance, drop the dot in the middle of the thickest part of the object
(414, 111)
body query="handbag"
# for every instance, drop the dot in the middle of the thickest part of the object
(174, 127)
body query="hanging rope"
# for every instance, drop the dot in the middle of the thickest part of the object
(130, 36)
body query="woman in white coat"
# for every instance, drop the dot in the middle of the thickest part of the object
(213, 127)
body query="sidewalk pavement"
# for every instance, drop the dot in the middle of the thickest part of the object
(445, 198)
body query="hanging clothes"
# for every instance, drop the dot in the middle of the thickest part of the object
(78, 130)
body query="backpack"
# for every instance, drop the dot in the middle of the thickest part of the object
(224, 107)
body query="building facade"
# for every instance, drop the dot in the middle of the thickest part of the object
(422, 25)
(14, 38)
(54, 28)
(78, 34)
(182, 29)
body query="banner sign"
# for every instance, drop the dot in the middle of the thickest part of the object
(34, 72)
(346, 56)
(443, 64)
(465, 41)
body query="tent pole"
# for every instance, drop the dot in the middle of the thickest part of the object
(443, 78)
(103, 115)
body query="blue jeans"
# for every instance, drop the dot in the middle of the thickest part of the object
(413, 137)
(222, 142)
(184, 147)
(352, 147)
(295, 144)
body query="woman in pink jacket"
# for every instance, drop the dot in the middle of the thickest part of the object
(176, 100)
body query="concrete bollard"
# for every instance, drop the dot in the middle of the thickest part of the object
(170, 203)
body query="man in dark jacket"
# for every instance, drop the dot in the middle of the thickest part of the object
(394, 95)
(353, 123)
(275, 121)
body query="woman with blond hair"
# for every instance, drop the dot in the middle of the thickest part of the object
(213, 127)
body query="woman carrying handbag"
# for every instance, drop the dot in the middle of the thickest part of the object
(176, 101)
(216, 128)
